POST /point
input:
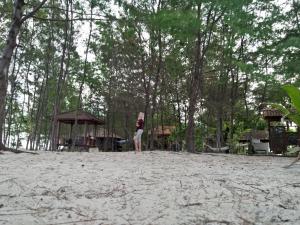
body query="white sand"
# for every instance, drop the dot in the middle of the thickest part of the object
(149, 188)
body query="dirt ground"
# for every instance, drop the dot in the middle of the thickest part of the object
(150, 188)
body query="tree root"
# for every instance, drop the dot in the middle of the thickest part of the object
(79, 221)
(296, 160)
(2, 147)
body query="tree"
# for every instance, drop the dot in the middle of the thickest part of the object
(11, 42)
(204, 66)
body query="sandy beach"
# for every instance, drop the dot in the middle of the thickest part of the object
(155, 188)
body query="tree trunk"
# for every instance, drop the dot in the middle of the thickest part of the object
(233, 96)
(79, 100)
(193, 93)
(219, 123)
(6, 55)
(60, 81)
(178, 115)
(190, 131)
(10, 101)
(146, 85)
(11, 43)
(154, 93)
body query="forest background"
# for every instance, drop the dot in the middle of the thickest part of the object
(203, 66)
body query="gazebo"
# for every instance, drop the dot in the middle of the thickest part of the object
(82, 118)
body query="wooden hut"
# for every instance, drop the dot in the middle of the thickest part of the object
(106, 140)
(261, 135)
(89, 134)
(83, 119)
(161, 134)
(279, 135)
(256, 141)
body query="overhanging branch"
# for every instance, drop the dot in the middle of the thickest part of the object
(33, 11)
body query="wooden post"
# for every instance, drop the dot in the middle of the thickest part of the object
(269, 130)
(95, 130)
(85, 132)
(71, 130)
(57, 134)
(298, 137)
(70, 141)
(94, 135)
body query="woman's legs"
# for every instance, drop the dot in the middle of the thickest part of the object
(136, 148)
(140, 145)
(138, 140)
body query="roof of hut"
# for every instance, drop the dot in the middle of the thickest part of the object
(163, 131)
(255, 134)
(272, 114)
(82, 117)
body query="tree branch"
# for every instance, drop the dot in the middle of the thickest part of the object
(69, 20)
(33, 11)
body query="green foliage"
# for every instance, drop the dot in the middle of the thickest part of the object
(178, 134)
(294, 112)
(182, 24)
(294, 94)
(261, 124)
(292, 151)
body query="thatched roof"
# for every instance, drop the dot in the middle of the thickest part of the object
(82, 117)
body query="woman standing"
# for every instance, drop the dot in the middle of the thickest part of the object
(139, 131)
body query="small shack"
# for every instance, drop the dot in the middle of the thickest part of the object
(86, 123)
(161, 135)
(256, 141)
(261, 135)
(89, 132)
(106, 140)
